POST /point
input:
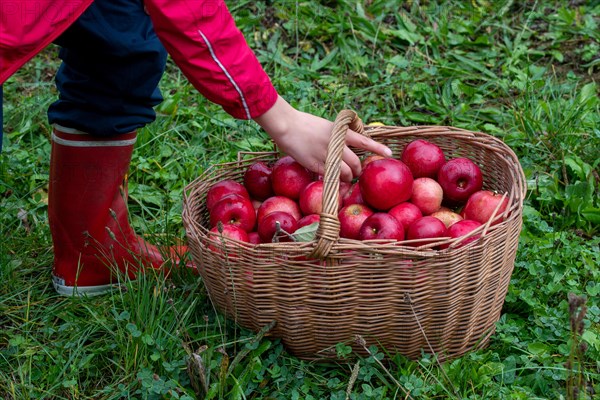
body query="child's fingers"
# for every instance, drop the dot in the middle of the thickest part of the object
(352, 162)
(362, 142)
(346, 173)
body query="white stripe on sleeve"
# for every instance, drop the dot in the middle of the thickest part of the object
(216, 59)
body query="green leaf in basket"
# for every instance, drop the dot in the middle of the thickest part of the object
(306, 233)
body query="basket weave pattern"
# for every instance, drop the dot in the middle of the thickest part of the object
(404, 299)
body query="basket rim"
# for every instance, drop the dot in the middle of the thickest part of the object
(381, 130)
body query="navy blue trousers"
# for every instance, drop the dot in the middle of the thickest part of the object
(112, 62)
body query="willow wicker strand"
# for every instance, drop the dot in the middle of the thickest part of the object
(329, 225)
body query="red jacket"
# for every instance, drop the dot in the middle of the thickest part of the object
(200, 36)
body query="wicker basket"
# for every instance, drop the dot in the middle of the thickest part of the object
(330, 290)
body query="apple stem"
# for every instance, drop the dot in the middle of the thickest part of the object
(279, 231)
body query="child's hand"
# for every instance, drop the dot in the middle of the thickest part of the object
(305, 137)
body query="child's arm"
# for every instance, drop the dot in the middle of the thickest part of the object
(305, 137)
(203, 40)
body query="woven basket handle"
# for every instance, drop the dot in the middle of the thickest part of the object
(329, 226)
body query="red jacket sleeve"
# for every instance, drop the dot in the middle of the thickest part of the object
(203, 40)
(27, 26)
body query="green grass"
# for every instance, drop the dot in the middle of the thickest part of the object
(526, 72)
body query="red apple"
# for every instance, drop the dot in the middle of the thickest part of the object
(234, 209)
(254, 237)
(372, 157)
(423, 158)
(228, 231)
(460, 229)
(447, 216)
(344, 188)
(278, 203)
(427, 194)
(425, 228)
(267, 227)
(351, 218)
(289, 178)
(308, 220)
(385, 183)
(406, 213)
(353, 196)
(311, 198)
(481, 206)
(257, 180)
(381, 226)
(222, 189)
(459, 178)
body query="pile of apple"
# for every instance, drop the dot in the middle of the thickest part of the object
(423, 195)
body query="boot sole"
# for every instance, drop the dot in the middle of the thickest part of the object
(89, 291)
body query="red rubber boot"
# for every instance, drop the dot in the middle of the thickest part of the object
(88, 215)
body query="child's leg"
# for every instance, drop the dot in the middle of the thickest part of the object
(112, 63)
